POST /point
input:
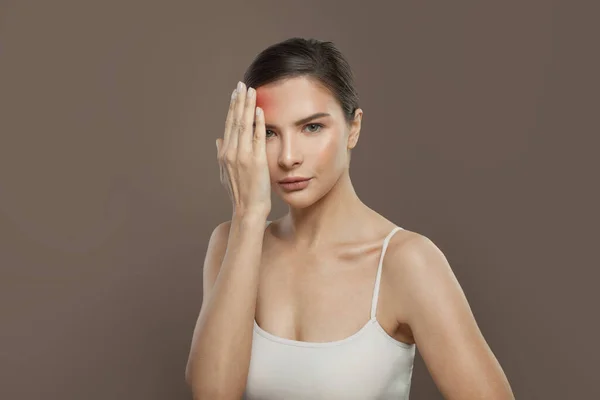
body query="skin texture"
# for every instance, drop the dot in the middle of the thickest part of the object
(306, 150)
(320, 210)
(318, 263)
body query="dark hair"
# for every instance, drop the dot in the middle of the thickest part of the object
(315, 59)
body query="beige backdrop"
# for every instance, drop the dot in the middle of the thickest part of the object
(480, 131)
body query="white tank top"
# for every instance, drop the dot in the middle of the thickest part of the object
(370, 364)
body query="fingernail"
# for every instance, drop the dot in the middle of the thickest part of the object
(250, 92)
(240, 86)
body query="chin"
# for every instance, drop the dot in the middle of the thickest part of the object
(297, 199)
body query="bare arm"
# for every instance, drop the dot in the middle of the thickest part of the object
(219, 357)
(455, 352)
(220, 352)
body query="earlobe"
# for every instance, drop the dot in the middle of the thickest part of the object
(355, 129)
(353, 139)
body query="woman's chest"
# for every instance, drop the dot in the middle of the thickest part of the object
(322, 297)
(365, 366)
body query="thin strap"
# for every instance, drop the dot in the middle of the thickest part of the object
(378, 279)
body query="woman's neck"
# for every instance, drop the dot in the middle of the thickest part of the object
(335, 215)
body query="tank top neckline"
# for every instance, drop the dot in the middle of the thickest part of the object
(372, 322)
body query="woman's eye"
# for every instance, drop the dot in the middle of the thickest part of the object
(316, 128)
(319, 126)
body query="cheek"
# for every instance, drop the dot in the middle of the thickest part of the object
(327, 152)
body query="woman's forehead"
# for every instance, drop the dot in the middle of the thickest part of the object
(297, 94)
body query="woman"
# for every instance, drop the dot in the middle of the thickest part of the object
(329, 301)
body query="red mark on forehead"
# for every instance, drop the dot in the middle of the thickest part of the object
(263, 100)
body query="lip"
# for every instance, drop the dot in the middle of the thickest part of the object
(292, 179)
(292, 184)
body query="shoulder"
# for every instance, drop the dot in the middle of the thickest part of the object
(215, 253)
(435, 307)
(217, 245)
(410, 250)
(418, 270)
(219, 236)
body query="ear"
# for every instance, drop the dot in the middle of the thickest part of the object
(355, 129)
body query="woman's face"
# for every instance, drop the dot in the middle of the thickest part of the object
(300, 146)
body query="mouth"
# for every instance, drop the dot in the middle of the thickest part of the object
(296, 184)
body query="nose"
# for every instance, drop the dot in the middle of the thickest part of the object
(290, 153)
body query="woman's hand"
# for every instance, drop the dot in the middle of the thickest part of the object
(242, 155)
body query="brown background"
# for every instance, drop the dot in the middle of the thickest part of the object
(480, 131)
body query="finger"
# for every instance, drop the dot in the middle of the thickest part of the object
(229, 119)
(245, 135)
(260, 134)
(238, 121)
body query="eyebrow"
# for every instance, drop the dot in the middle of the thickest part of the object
(302, 121)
